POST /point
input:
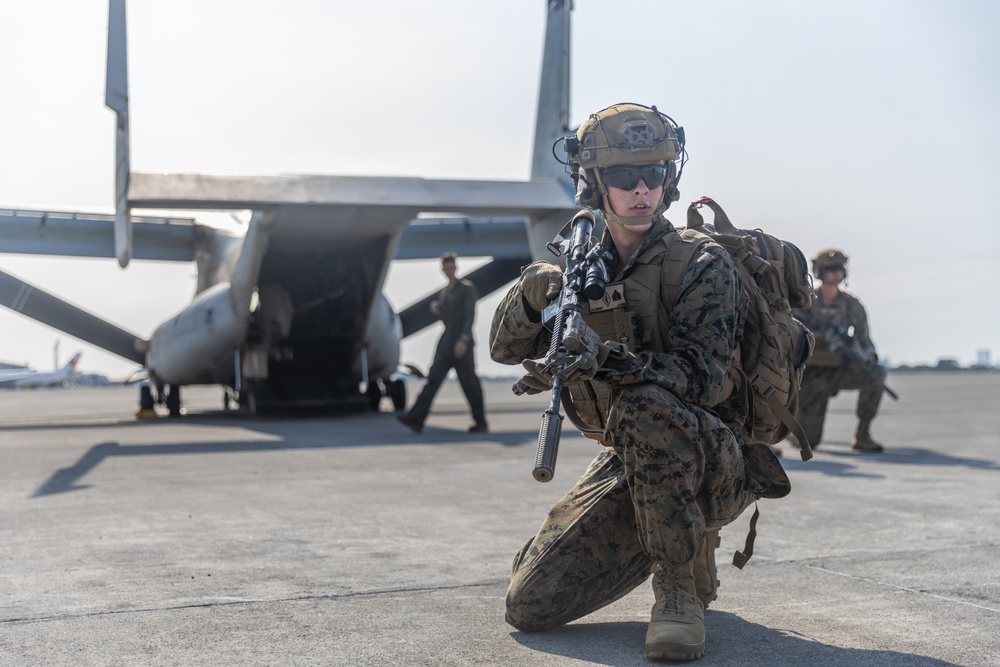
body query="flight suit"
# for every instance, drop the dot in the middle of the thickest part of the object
(458, 310)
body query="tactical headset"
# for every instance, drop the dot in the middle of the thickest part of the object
(828, 259)
(624, 134)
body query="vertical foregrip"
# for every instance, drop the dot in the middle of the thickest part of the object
(548, 446)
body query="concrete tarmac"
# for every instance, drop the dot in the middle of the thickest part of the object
(217, 539)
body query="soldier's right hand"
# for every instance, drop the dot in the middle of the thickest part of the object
(540, 284)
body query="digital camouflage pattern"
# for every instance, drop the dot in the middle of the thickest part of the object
(674, 468)
(828, 371)
(820, 384)
(846, 309)
(693, 354)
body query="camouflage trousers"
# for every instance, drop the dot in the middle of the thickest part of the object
(819, 384)
(674, 471)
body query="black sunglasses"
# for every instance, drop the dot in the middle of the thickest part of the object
(627, 177)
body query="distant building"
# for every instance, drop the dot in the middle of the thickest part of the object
(947, 365)
(983, 358)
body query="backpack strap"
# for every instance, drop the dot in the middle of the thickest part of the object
(789, 420)
(722, 223)
(678, 258)
(681, 252)
(740, 558)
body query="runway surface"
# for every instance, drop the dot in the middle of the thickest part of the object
(217, 539)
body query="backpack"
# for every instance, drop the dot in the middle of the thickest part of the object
(774, 346)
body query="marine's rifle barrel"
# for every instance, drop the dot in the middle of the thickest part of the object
(570, 299)
(548, 437)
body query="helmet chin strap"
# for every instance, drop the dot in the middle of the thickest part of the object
(638, 224)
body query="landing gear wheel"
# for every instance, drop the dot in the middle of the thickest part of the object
(174, 401)
(146, 402)
(397, 392)
(247, 399)
(374, 394)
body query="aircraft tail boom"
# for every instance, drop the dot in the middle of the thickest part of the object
(116, 98)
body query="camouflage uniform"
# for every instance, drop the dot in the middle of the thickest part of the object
(674, 468)
(828, 371)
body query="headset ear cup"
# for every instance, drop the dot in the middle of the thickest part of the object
(586, 193)
(670, 191)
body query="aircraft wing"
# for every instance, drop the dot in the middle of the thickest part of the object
(78, 234)
(10, 379)
(351, 207)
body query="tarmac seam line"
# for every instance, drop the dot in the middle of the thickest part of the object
(899, 588)
(249, 601)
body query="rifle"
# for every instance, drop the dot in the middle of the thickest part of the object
(585, 276)
(840, 340)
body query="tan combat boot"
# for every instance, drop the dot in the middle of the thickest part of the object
(677, 623)
(863, 441)
(706, 577)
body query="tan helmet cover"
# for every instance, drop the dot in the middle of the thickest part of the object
(626, 134)
(828, 258)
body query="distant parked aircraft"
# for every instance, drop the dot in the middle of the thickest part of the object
(23, 379)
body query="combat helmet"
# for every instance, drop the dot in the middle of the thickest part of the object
(831, 258)
(625, 134)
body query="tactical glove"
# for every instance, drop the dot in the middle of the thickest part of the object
(540, 284)
(578, 367)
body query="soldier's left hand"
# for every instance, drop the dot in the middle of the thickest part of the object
(576, 367)
(535, 381)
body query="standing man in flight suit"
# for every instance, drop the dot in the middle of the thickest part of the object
(456, 306)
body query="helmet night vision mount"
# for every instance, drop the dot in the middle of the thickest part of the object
(624, 134)
(829, 259)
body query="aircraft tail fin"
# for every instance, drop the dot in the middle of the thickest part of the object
(71, 365)
(552, 121)
(116, 97)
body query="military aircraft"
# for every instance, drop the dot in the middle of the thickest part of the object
(291, 314)
(24, 379)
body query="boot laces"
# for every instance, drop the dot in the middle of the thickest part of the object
(668, 592)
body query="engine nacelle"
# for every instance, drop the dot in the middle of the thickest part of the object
(383, 334)
(196, 345)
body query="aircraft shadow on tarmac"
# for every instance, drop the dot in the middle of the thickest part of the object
(730, 640)
(318, 433)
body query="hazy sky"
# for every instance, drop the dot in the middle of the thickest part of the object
(867, 125)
